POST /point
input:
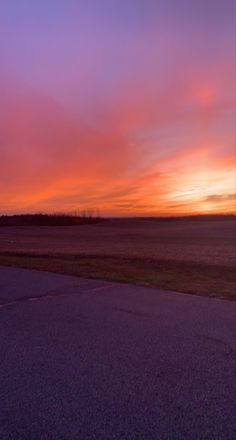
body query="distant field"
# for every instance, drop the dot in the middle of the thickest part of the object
(193, 256)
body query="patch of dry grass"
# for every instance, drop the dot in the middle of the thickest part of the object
(210, 280)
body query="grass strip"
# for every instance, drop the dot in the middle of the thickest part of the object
(202, 279)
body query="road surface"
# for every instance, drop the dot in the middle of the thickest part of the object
(87, 359)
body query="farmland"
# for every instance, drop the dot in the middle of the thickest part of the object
(190, 256)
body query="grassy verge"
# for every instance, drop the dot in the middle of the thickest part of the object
(201, 279)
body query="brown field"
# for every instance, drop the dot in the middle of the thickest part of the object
(190, 256)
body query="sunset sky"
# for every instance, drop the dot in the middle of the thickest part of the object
(121, 106)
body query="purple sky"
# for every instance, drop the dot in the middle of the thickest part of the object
(135, 91)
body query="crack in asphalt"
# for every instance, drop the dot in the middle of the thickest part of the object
(133, 312)
(218, 344)
(53, 294)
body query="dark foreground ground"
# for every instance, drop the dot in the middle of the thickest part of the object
(86, 359)
(193, 256)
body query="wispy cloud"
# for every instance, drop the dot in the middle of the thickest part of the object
(219, 198)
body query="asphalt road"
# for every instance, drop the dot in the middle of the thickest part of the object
(86, 359)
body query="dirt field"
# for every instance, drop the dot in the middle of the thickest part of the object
(195, 256)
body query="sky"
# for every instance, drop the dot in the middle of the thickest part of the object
(122, 107)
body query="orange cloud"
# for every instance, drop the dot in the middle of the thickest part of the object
(153, 153)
